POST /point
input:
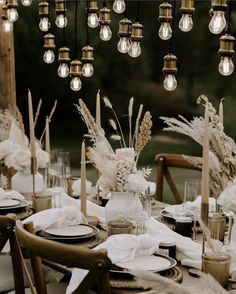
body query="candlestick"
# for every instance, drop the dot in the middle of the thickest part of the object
(221, 112)
(31, 125)
(205, 169)
(83, 196)
(98, 109)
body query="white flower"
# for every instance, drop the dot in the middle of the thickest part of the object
(42, 158)
(76, 187)
(137, 183)
(228, 197)
(19, 159)
(6, 147)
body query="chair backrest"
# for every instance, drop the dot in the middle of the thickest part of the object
(95, 261)
(163, 162)
(7, 226)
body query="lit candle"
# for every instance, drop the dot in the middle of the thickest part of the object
(47, 137)
(31, 126)
(83, 196)
(205, 160)
(221, 115)
(98, 109)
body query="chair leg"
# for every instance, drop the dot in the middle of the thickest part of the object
(103, 283)
(160, 178)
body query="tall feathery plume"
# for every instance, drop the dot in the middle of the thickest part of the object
(37, 112)
(131, 104)
(108, 104)
(19, 119)
(49, 118)
(144, 134)
(114, 126)
(137, 123)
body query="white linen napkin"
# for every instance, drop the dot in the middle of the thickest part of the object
(10, 194)
(56, 217)
(120, 248)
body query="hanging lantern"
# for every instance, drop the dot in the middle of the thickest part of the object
(7, 25)
(11, 10)
(63, 59)
(44, 24)
(49, 46)
(226, 51)
(136, 37)
(105, 20)
(165, 18)
(92, 13)
(187, 9)
(124, 34)
(75, 73)
(87, 59)
(60, 8)
(218, 22)
(170, 70)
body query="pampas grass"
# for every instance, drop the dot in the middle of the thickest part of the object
(130, 113)
(37, 112)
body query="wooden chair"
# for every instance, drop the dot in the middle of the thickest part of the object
(163, 162)
(11, 272)
(95, 261)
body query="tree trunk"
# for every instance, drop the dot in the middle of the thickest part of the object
(7, 72)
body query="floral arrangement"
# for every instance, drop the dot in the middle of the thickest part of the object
(15, 150)
(118, 168)
(222, 155)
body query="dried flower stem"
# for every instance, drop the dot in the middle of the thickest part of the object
(137, 123)
(131, 104)
(49, 119)
(37, 112)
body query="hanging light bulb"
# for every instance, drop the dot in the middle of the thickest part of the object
(49, 46)
(11, 10)
(105, 20)
(87, 59)
(218, 22)
(170, 71)
(44, 23)
(7, 25)
(226, 51)
(61, 20)
(187, 9)
(2, 2)
(92, 14)
(165, 18)
(119, 6)
(124, 34)
(63, 59)
(75, 73)
(136, 37)
(26, 2)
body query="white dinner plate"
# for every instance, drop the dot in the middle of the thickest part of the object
(77, 230)
(154, 263)
(172, 209)
(8, 202)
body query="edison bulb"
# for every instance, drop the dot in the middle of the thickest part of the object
(87, 70)
(165, 31)
(186, 22)
(7, 26)
(63, 70)
(75, 84)
(217, 23)
(48, 56)
(105, 33)
(170, 82)
(119, 6)
(26, 2)
(123, 45)
(12, 14)
(2, 2)
(61, 21)
(226, 66)
(44, 24)
(93, 20)
(135, 49)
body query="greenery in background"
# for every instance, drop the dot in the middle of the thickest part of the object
(119, 76)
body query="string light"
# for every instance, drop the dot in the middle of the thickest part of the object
(61, 20)
(136, 37)
(218, 21)
(165, 18)
(104, 21)
(44, 23)
(49, 46)
(170, 70)
(63, 59)
(187, 9)
(124, 34)
(11, 10)
(92, 9)
(75, 73)
(87, 59)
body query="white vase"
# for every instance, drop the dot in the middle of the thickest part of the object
(122, 205)
(23, 182)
